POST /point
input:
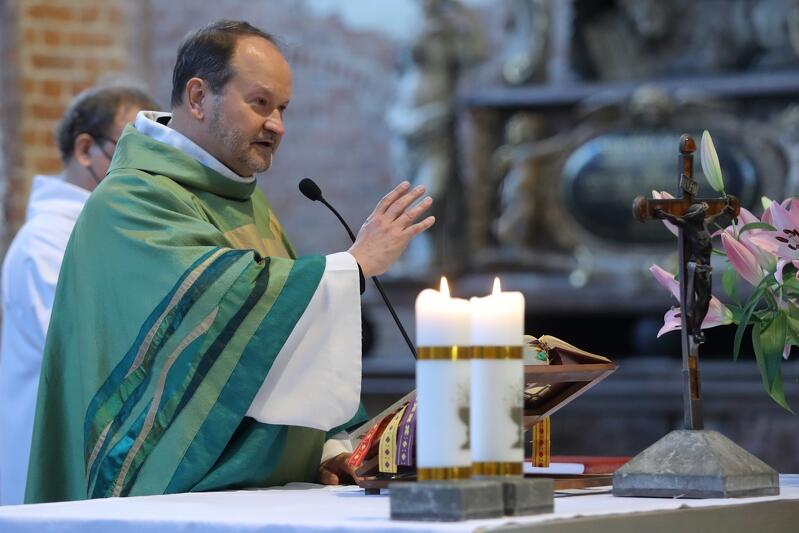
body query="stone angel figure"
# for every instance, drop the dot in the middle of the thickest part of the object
(422, 119)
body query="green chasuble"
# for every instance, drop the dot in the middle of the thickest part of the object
(177, 291)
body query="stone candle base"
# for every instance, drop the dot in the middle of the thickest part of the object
(446, 501)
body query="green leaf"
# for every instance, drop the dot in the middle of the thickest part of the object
(793, 325)
(790, 282)
(768, 340)
(792, 338)
(756, 225)
(746, 315)
(772, 340)
(729, 281)
(736, 311)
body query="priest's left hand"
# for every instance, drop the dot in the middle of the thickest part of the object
(336, 471)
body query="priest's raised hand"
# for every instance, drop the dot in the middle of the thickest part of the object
(390, 228)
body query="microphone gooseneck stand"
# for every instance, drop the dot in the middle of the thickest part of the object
(312, 191)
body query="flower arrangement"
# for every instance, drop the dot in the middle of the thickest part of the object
(764, 252)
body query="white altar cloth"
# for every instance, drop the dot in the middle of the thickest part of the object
(303, 507)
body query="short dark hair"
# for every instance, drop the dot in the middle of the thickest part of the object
(94, 110)
(206, 54)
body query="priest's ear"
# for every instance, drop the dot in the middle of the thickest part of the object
(81, 150)
(194, 97)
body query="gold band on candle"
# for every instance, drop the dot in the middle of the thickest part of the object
(445, 353)
(496, 352)
(496, 469)
(443, 473)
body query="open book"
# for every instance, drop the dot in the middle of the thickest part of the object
(570, 372)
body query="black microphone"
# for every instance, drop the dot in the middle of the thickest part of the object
(311, 190)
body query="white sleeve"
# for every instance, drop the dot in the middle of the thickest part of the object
(30, 275)
(41, 280)
(335, 445)
(315, 380)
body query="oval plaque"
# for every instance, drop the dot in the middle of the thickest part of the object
(602, 177)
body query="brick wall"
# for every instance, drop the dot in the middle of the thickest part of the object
(62, 47)
(9, 106)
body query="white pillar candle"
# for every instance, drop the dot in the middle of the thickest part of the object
(442, 385)
(497, 383)
(442, 419)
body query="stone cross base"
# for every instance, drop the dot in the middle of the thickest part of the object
(695, 464)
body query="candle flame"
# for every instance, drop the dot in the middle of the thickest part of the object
(497, 288)
(444, 287)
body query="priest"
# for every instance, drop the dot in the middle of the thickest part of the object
(190, 349)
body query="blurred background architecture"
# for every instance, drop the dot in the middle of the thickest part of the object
(533, 122)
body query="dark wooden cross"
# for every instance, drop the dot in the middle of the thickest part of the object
(691, 216)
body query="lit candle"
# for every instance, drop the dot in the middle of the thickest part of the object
(498, 319)
(441, 320)
(497, 383)
(442, 385)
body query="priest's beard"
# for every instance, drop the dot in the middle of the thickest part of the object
(239, 149)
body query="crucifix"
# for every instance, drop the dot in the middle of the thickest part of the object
(692, 217)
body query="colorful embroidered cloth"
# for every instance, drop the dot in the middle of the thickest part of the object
(540, 437)
(406, 435)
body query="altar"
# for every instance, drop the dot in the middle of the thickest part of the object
(304, 507)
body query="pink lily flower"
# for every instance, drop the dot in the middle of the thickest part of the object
(746, 217)
(718, 314)
(766, 203)
(767, 240)
(783, 243)
(666, 280)
(742, 260)
(663, 195)
(784, 217)
(766, 260)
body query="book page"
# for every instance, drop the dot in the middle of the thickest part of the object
(579, 356)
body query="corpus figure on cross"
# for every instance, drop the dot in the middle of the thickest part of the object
(698, 249)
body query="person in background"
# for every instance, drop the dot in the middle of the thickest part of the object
(87, 137)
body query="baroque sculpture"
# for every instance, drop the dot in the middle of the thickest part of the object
(525, 41)
(422, 119)
(520, 182)
(649, 37)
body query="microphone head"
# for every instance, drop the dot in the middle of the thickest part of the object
(310, 189)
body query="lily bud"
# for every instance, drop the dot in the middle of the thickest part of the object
(742, 260)
(710, 163)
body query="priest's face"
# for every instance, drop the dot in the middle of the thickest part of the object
(246, 118)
